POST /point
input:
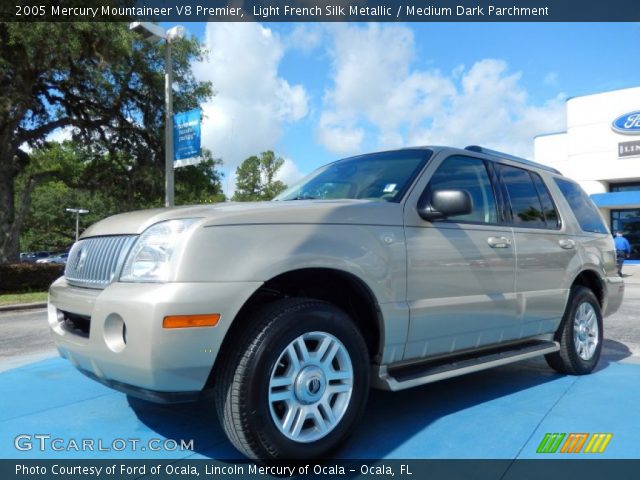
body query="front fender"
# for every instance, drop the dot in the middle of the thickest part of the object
(239, 253)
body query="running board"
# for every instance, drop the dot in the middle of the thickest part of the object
(399, 378)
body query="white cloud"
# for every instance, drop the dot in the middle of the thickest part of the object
(338, 133)
(491, 108)
(60, 135)
(289, 173)
(305, 37)
(253, 102)
(376, 89)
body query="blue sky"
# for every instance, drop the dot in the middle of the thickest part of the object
(317, 92)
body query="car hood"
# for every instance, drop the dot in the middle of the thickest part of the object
(352, 212)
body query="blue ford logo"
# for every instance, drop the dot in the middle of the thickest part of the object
(629, 123)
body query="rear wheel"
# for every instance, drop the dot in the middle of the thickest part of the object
(580, 334)
(296, 383)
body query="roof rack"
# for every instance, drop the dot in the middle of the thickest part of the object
(495, 153)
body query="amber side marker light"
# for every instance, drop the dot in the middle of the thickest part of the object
(187, 321)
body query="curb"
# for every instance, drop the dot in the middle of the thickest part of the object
(22, 306)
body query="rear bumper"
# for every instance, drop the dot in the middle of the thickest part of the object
(614, 295)
(122, 343)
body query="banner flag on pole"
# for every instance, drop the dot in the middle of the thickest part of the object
(186, 138)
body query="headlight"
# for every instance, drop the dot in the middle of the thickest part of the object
(150, 257)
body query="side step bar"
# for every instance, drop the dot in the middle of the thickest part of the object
(399, 378)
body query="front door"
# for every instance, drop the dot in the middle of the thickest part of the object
(460, 271)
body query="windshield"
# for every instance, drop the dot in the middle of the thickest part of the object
(378, 176)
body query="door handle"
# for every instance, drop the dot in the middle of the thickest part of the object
(499, 242)
(567, 243)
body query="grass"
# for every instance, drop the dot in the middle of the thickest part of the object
(13, 298)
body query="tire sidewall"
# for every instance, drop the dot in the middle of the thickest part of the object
(290, 325)
(579, 297)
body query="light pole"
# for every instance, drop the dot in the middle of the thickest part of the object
(152, 32)
(78, 212)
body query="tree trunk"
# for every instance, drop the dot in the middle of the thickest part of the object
(9, 241)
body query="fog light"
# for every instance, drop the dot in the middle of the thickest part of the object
(115, 332)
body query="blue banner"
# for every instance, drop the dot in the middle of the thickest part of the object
(186, 138)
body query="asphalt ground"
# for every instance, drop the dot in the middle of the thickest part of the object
(503, 413)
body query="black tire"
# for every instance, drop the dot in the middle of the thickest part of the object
(244, 373)
(568, 360)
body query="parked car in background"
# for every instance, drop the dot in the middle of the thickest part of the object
(60, 258)
(392, 269)
(34, 256)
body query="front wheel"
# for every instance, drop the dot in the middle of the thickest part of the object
(296, 383)
(580, 334)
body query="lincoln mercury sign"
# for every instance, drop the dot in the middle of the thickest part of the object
(186, 138)
(629, 149)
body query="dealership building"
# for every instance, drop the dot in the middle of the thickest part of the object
(601, 150)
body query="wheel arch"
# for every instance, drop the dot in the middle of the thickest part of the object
(592, 280)
(341, 288)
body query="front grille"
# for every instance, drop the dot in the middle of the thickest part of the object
(93, 262)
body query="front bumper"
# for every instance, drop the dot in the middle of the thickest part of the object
(122, 342)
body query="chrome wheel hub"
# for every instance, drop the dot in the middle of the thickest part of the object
(310, 387)
(586, 335)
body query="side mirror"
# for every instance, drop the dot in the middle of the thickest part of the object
(446, 203)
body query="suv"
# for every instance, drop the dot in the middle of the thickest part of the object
(391, 269)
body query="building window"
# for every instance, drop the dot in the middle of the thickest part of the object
(625, 187)
(627, 221)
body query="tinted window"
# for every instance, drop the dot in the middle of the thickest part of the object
(548, 208)
(525, 204)
(469, 174)
(583, 208)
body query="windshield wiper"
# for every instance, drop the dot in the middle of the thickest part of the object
(303, 197)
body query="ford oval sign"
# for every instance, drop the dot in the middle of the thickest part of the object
(629, 123)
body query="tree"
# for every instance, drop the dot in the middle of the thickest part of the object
(103, 82)
(255, 178)
(48, 226)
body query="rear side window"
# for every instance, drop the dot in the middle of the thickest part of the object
(526, 208)
(583, 208)
(548, 208)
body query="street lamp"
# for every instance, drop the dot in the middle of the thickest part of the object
(152, 32)
(78, 212)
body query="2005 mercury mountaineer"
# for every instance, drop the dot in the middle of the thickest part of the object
(391, 270)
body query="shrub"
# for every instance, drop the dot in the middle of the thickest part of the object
(28, 277)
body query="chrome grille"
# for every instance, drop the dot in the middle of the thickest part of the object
(93, 262)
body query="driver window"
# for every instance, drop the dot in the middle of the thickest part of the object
(469, 174)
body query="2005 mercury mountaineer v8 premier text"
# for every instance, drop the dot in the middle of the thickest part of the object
(390, 270)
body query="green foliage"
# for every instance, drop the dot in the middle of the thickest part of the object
(48, 226)
(107, 85)
(200, 183)
(255, 178)
(27, 277)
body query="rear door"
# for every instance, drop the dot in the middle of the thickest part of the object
(460, 271)
(544, 250)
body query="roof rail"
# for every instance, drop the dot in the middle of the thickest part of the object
(495, 153)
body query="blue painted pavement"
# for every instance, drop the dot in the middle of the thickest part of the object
(499, 414)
